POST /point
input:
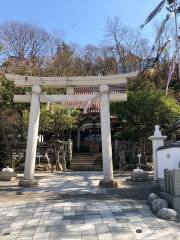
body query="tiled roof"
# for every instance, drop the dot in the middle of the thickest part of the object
(95, 105)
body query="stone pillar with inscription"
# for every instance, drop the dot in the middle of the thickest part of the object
(157, 141)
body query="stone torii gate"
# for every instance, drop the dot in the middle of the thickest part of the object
(107, 91)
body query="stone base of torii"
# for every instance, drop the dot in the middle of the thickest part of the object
(36, 97)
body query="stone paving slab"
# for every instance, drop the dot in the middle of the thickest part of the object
(29, 215)
(101, 225)
(78, 183)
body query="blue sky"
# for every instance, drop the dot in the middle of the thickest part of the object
(82, 21)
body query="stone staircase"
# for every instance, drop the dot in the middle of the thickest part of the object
(86, 162)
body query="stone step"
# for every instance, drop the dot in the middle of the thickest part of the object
(78, 157)
(86, 162)
(86, 168)
(91, 163)
(86, 158)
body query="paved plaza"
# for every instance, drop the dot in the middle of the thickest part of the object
(73, 214)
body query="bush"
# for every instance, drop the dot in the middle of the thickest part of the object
(131, 166)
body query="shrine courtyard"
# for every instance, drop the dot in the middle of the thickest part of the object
(70, 205)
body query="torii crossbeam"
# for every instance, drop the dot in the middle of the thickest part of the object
(109, 88)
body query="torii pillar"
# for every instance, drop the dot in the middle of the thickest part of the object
(107, 180)
(33, 127)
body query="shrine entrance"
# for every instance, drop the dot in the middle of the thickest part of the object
(101, 89)
(88, 135)
(92, 141)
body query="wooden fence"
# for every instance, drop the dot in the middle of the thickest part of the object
(61, 150)
(126, 152)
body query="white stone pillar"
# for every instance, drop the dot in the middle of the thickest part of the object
(108, 180)
(157, 141)
(32, 138)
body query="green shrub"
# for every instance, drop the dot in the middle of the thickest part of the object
(131, 166)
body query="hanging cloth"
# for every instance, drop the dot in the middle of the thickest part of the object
(161, 29)
(153, 13)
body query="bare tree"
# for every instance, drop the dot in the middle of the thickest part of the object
(90, 54)
(110, 58)
(23, 40)
(115, 34)
(62, 62)
(127, 45)
(56, 40)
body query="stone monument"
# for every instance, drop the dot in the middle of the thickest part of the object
(7, 174)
